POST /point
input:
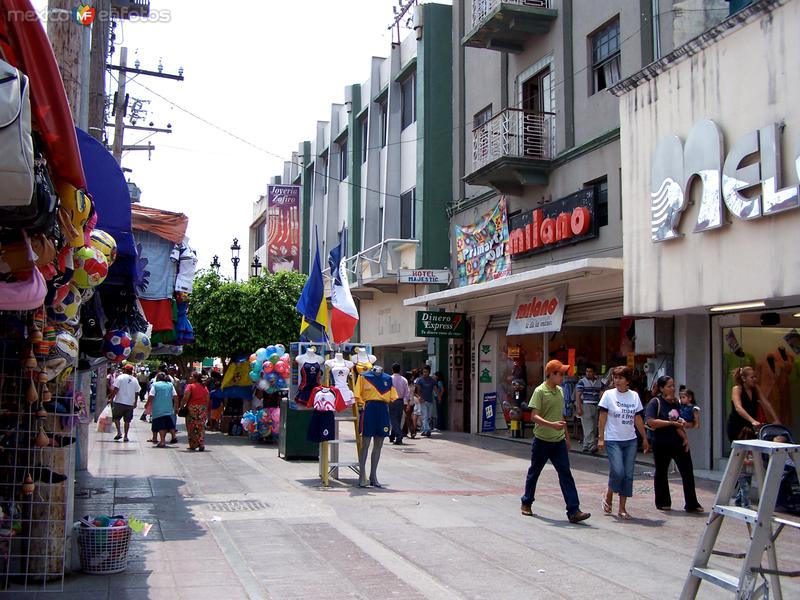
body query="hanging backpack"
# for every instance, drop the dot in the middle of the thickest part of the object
(16, 143)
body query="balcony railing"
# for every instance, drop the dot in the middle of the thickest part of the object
(514, 133)
(482, 8)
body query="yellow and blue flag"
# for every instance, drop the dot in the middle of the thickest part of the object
(312, 303)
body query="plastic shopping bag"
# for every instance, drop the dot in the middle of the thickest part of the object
(104, 421)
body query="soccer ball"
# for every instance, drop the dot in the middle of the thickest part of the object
(141, 347)
(66, 347)
(106, 244)
(91, 268)
(117, 345)
(68, 308)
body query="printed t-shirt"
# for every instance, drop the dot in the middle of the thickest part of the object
(549, 404)
(621, 409)
(127, 388)
(426, 385)
(590, 390)
(163, 392)
(371, 386)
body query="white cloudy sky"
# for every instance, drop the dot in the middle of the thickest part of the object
(266, 71)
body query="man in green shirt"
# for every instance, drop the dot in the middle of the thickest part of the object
(550, 442)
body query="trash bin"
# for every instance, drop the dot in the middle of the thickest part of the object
(103, 550)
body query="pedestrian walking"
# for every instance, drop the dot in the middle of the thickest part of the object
(550, 442)
(620, 417)
(424, 387)
(123, 397)
(397, 406)
(409, 408)
(440, 400)
(587, 396)
(669, 445)
(196, 400)
(162, 398)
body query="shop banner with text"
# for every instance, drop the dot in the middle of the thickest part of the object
(538, 312)
(489, 408)
(481, 248)
(283, 228)
(441, 324)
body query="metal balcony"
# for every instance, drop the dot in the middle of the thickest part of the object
(513, 149)
(507, 24)
(125, 9)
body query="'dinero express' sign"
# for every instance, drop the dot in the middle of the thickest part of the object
(441, 324)
(540, 312)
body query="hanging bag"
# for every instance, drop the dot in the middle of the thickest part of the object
(24, 294)
(16, 143)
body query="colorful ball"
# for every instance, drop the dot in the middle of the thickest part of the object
(69, 306)
(91, 267)
(141, 347)
(104, 242)
(117, 345)
(66, 347)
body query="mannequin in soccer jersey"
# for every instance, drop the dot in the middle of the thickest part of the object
(310, 364)
(340, 372)
(373, 391)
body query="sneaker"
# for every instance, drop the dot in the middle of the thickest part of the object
(118, 437)
(579, 516)
(525, 509)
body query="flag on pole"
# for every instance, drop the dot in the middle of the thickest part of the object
(312, 304)
(344, 315)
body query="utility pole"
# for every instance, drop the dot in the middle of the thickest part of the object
(97, 76)
(66, 39)
(120, 104)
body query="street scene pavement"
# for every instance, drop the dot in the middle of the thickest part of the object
(239, 522)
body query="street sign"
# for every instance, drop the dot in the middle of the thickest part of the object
(441, 324)
(424, 276)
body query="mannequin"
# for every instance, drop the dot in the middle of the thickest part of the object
(373, 391)
(340, 371)
(325, 401)
(310, 372)
(363, 360)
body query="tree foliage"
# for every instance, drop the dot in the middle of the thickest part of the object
(233, 319)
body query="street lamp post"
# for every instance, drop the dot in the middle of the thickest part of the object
(235, 256)
(215, 263)
(255, 266)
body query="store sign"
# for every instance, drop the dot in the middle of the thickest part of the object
(541, 312)
(566, 221)
(441, 324)
(748, 191)
(489, 408)
(424, 276)
(283, 228)
(481, 248)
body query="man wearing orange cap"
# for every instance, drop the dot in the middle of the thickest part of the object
(550, 442)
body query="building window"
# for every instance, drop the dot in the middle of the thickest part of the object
(343, 160)
(407, 201)
(259, 241)
(384, 124)
(600, 188)
(408, 91)
(322, 172)
(482, 117)
(364, 138)
(605, 56)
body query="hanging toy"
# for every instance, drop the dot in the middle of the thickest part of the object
(47, 395)
(41, 413)
(27, 485)
(41, 440)
(30, 361)
(31, 396)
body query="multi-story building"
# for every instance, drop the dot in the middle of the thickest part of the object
(381, 167)
(536, 146)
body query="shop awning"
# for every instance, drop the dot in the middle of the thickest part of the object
(588, 279)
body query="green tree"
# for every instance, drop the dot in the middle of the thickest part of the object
(232, 319)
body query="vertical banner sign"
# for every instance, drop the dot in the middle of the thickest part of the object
(489, 407)
(481, 248)
(283, 228)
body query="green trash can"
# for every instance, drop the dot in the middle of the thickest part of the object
(292, 443)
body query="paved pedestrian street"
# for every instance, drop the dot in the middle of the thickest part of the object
(238, 522)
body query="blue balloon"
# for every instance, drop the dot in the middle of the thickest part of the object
(279, 381)
(280, 349)
(261, 355)
(254, 377)
(270, 350)
(272, 378)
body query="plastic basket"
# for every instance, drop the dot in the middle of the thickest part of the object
(103, 550)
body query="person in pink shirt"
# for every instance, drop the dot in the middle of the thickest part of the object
(396, 407)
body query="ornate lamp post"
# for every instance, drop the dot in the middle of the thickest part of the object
(235, 256)
(255, 266)
(215, 263)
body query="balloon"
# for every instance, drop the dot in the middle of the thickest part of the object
(255, 368)
(254, 377)
(262, 385)
(274, 358)
(281, 369)
(268, 367)
(272, 378)
(280, 348)
(286, 358)
(261, 354)
(252, 358)
(270, 350)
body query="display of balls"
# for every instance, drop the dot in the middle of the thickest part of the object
(68, 308)
(141, 347)
(91, 267)
(117, 345)
(66, 346)
(104, 242)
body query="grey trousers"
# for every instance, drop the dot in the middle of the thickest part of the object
(589, 425)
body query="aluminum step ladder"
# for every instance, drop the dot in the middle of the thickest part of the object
(763, 527)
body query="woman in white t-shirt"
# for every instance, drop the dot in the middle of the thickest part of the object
(620, 417)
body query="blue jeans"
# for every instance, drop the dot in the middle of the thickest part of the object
(556, 453)
(427, 409)
(621, 457)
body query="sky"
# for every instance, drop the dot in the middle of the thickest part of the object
(264, 71)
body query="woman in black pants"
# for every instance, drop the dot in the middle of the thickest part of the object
(663, 417)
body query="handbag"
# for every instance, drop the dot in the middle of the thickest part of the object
(24, 294)
(16, 141)
(183, 411)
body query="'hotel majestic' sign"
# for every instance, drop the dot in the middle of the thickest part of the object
(749, 190)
